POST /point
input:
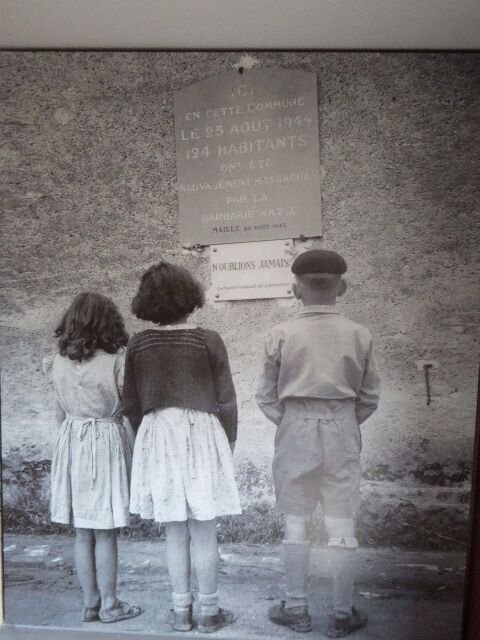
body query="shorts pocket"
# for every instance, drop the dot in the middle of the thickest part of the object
(351, 435)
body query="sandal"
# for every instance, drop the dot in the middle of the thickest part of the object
(119, 611)
(90, 614)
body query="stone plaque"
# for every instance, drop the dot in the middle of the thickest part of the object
(248, 157)
(251, 270)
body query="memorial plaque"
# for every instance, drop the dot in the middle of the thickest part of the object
(248, 157)
(251, 270)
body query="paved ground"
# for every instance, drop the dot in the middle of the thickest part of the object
(408, 595)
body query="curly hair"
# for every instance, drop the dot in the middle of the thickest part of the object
(167, 293)
(91, 322)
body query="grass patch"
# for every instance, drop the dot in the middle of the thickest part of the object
(25, 510)
(258, 524)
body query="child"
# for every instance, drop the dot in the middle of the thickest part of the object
(180, 396)
(92, 457)
(319, 382)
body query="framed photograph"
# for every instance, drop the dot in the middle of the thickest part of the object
(237, 166)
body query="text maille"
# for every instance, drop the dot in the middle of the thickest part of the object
(248, 164)
(251, 270)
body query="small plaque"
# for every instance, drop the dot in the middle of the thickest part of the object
(251, 270)
(248, 164)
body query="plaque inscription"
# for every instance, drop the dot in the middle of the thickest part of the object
(248, 157)
(251, 270)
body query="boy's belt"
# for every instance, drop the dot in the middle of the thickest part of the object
(319, 407)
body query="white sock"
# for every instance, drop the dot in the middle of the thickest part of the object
(296, 557)
(182, 601)
(343, 569)
(208, 603)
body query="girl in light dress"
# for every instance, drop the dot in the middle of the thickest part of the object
(179, 395)
(92, 457)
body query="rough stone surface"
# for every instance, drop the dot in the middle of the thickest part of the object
(89, 201)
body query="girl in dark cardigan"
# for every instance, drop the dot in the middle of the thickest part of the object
(179, 395)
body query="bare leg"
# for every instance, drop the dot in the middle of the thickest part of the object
(205, 554)
(178, 555)
(178, 563)
(84, 551)
(106, 560)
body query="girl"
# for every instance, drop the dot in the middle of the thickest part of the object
(92, 457)
(179, 391)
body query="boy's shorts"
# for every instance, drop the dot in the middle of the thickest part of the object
(317, 457)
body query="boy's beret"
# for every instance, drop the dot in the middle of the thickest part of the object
(318, 261)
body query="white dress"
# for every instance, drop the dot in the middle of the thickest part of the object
(182, 467)
(92, 457)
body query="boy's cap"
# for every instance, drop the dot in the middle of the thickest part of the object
(318, 261)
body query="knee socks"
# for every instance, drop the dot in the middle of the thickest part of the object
(296, 556)
(343, 569)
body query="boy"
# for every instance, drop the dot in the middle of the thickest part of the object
(319, 382)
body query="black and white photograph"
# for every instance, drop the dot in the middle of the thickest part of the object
(239, 343)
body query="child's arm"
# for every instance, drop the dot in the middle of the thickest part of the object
(369, 393)
(59, 412)
(130, 400)
(120, 381)
(130, 432)
(267, 394)
(225, 390)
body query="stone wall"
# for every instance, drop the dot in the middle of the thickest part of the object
(90, 201)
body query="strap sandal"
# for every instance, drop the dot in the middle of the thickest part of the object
(90, 614)
(297, 618)
(210, 624)
(119, 611)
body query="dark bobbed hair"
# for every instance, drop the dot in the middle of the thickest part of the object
(91, 322)
(167, 293)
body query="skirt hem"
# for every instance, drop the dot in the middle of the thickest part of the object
(182, 468)
(188, 517)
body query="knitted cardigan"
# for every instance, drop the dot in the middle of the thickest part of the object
(186, 368)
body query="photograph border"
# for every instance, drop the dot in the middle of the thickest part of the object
(17, 33)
